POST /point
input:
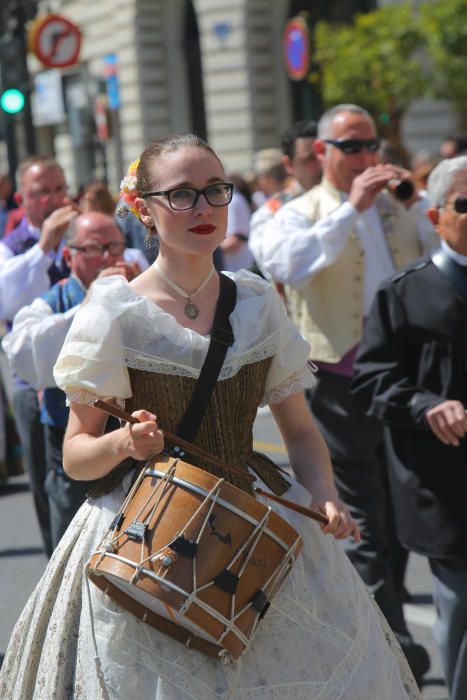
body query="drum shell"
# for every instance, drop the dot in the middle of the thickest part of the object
(228, 526)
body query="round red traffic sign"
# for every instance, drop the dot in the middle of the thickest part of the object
(56, 41)
(297, 48)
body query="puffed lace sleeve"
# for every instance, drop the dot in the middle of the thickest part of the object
(290, 371)
(91, 362)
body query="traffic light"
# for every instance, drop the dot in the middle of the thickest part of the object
(14, 74)
(12, 101)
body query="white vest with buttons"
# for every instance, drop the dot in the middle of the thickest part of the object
(329, 309)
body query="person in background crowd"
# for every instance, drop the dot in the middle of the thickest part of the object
(304, 171)
(454, 145)
(421, 174)
(93, 248)
(7, 203)
(234, 247)
(392, 153)
(269, 174)
(422, 157)
(30, 263)
(332, 247)
(411, 374)
(97, 197)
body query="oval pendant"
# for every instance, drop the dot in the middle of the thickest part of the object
(191, 310)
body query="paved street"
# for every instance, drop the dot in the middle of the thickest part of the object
(22, 562)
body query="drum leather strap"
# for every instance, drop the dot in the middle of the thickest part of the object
(180, 634)
(221, 339)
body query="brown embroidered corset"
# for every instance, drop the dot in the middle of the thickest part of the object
(225, 431)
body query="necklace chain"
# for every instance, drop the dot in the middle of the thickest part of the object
(191, 310)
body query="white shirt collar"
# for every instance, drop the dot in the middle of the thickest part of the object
(454, 255)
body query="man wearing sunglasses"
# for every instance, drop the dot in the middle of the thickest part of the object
(332, 247)
(411, 373)
(93, 247)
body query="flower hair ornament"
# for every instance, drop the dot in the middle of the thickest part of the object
(128, 192)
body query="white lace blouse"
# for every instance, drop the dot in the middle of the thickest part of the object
(118, 329)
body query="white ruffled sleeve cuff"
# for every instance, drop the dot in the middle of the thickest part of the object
(297, 382)
(91, 360)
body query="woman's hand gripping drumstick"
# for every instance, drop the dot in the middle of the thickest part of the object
(144, 437)
(132, 419)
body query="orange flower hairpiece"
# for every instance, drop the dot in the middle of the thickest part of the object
(128, 191)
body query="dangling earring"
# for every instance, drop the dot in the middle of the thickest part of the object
(150, 232)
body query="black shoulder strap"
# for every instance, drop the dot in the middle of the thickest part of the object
(455, 274)
(221, 338)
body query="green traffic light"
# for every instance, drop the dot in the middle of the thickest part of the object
(12, 101)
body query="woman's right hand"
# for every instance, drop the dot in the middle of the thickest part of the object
(143, 439)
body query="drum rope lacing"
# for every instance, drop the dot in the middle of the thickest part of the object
(193, 598)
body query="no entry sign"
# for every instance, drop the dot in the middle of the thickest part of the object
(56, 41)
(297, 48)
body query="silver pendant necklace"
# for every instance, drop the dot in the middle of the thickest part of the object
(191, 310)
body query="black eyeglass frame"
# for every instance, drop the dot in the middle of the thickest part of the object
(102, 246)
(167, 193)
(353, 146)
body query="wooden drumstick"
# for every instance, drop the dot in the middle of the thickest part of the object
(119, 413)
(309, 512)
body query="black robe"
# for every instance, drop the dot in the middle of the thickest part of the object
(412, 357)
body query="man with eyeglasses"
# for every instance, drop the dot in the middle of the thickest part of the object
(411, 373)
(30, 262)
(93, 247)
(332, 247)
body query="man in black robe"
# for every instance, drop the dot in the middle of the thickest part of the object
(411, 373)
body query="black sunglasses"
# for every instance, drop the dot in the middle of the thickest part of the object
(460, 204)
(351, 146)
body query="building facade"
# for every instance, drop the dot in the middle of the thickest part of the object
(208, 66)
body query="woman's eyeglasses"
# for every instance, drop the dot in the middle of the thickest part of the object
(181, 198)
(351, 146)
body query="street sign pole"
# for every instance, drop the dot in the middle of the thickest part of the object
(11, 147)
(297, 54)
(114, 104)
(29, 133)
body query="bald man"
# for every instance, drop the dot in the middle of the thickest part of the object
(93, 247)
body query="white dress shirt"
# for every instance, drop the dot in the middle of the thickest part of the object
(454, 255)
(293, 251)
(35, 341)
(23, 277)
(239, 214)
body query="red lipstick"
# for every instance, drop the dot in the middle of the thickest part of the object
(203, 229)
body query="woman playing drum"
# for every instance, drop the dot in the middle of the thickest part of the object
(141, 346)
